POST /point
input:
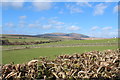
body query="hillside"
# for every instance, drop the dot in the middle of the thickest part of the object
(63, 36)
(49, 36)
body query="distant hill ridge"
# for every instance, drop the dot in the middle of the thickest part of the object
(64, 35)
(73, 36)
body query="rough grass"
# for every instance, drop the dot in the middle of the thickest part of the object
(21, 56)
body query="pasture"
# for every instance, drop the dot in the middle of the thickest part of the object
(66, 42)
(87, 41)
(21, 56)
(23, 38)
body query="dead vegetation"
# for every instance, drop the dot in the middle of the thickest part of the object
(91, 65)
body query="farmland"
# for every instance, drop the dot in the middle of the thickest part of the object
(21, 55)
(113, 40)
(22, 38)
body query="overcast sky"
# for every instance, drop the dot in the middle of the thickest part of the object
(95, 19)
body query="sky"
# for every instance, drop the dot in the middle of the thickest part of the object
(95, 19)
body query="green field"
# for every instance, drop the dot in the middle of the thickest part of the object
(85, 41)
(26, 39)
(21, 56)
(113, 40)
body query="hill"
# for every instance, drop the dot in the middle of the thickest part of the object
(49, 36)
(68, 36)
(73, 36)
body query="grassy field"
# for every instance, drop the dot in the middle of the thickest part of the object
(21, 56)
(19, 38)
(85, 41)
(113, 40)
(26, 39)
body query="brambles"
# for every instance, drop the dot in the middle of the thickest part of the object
(90, 65)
